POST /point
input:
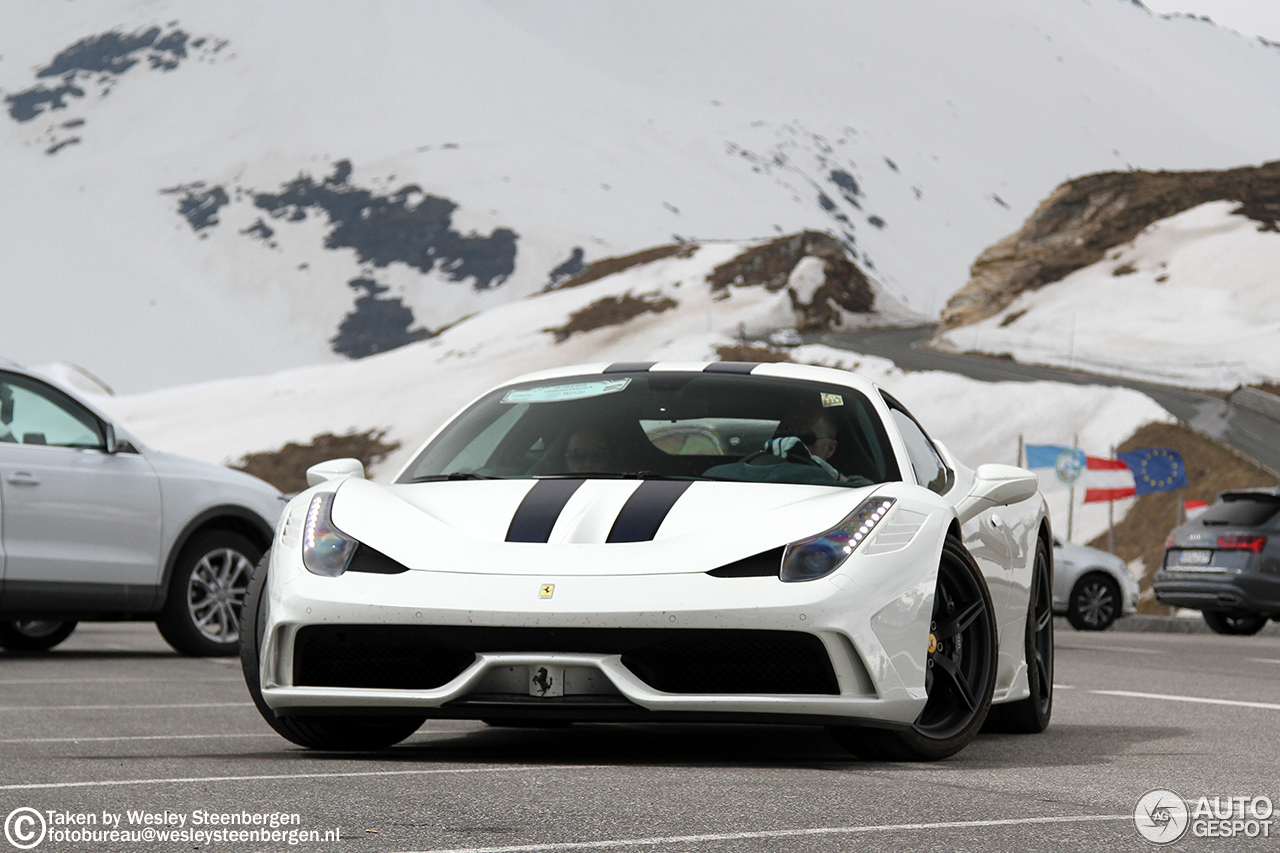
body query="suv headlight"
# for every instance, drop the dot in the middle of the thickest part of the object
(819, 556)
(326, 550)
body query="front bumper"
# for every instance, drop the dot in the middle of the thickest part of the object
(869, 623)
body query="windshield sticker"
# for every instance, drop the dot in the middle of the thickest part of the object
(560, 393)
(829, 400)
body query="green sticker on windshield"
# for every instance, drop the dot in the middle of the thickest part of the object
(561, 393)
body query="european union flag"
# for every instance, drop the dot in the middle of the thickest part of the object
(1155, 469)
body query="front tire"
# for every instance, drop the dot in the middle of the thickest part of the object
(1031, 715)
(1094, 604)
(960, 674)
(344, 732)
(201, 614)
(1245, 625)
(33, 635)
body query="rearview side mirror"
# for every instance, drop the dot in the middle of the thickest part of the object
(334, 469)
(996, 485)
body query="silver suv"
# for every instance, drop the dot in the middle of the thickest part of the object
(1225, 562)
(95, 526)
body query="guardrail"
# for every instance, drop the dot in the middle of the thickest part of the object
(1258, 402)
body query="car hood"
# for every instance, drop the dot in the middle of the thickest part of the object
(568, 527)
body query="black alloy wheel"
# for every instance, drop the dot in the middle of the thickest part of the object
(959, 676)
(1031, 715)
(1237, 624)
(34, 635)
(1095, 603)
(339, 732)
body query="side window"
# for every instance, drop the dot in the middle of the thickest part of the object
(931, 471)
(33, 413)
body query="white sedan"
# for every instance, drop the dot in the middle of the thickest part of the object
(663, 542)
(96, 526)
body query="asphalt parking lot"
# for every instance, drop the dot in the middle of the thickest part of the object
(113, 725)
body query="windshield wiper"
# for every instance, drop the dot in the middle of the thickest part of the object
(456, 475)
(613, 475)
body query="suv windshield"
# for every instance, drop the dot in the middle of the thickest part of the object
(654, 424)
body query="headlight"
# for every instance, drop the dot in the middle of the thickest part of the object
(326, 550)
(810, 559)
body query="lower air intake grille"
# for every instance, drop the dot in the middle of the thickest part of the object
(374, 656)
(415, 657)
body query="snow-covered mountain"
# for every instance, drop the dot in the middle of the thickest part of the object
(1192, 300)
(196, 191)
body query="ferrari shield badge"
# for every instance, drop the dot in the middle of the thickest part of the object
(547, 590)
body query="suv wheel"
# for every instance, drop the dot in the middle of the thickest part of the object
(33, 635)
(201, 615)
(1245, 624)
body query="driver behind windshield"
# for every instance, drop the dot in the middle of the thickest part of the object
(811, 429)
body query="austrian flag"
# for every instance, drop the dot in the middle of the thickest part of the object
(1107, 480)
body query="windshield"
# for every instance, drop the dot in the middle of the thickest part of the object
(655, 424)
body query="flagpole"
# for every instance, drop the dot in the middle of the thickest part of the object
(1020, 445)
(1111, 517)
(1071, 496)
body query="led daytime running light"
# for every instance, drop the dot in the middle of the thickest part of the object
(326, 550)
(810, 559)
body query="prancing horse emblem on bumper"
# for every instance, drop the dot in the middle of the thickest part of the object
(547, 590)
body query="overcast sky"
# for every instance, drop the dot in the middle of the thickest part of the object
(1250, 17)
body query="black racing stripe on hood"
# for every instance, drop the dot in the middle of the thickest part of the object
(539, 510)
(629, 367)
(644, 511)
(731, 367)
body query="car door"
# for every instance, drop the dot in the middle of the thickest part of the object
(81, 527)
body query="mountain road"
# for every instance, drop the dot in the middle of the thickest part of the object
(1249, 433)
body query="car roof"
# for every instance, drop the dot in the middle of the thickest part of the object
(1244, 494)
(781, 370)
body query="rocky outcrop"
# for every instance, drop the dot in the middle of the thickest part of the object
(1083, 219)
(771, 264)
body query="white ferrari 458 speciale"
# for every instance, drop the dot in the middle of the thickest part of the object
(723, 542)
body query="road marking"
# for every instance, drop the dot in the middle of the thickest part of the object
(1112, 649)
(193, 680)
(275, 777)
(1064, 687)
(1270, 706)
(778, 833)
(122, 707)
(127, 737)
(1261, 660)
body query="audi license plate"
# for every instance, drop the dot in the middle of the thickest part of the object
(1198, 557)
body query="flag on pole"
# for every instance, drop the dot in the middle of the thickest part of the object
(1107, 480)
(1044, 455)
(1155, 469)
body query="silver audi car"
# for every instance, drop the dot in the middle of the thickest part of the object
(96, 526)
